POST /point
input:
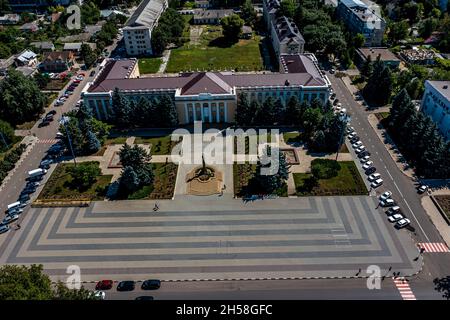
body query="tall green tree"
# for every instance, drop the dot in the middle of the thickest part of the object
(379, 86)
(244, 113)
(232, 27)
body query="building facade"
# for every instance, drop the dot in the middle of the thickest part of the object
(137, 33)
(363, 17)
(210, 97)
(284, 34)
(57, 61)
(436, 104)
(35, 5)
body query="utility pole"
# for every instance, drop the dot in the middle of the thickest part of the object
(63, 122)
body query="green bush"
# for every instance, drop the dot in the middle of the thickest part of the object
(9, 161)
(325, 168)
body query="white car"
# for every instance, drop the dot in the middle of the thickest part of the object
(351, 135)
(350, 129)
(402, 223)
(395, 217)
(386, 195)
(357, 144)
(4, 228)
(10, 218)
(99, 295)
(343, 111)
(376, 183)
(367, 165)
(360, 149)
(387, 203)
(423, 188)
(364, 159)
(374, 177)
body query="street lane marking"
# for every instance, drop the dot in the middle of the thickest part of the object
(404, 289)
(434, 247)
(415, 218)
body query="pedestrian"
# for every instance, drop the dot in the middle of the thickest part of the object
(18, 226)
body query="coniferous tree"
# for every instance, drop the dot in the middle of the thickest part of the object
(292, 115)
(243, 112)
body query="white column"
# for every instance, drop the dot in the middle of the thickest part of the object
(201, 108)
(186, 113)
(194, 109)
(226, 112)
(217, 113)
(210, 112)
(104, 109)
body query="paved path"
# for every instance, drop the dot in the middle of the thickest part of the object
(213, 238)
(165, 59)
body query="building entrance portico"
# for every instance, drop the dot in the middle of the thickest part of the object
(207, 112)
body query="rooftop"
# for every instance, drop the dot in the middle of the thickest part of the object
(209, 14)
(442, 87)
(147, 13)
(384, 53)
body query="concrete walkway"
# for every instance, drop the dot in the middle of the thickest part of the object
(437, 219)
(165, 59)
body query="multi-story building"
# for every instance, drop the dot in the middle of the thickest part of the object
(137, 33)
(363, 16)
(210, 97)
(57, 61)
(35, 5)
(436, 104)
(284, 34)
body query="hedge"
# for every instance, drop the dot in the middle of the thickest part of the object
(9, 161)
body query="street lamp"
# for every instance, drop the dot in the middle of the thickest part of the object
(63, 121)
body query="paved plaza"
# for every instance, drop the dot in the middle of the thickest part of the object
(212, 238)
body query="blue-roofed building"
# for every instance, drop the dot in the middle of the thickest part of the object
(363, 16)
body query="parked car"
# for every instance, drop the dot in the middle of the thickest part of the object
(385, 195)
(4, 228)
(98, 295)
(58, 103)
(371, 170)
(49, 118)
(43, 123)
(28, 190)
(14, 211)
(354, 139)
(92, 73)
(376, 183)
(332, 70)
(350, 129)
(402, 223)
(151, 284)
(393, 210)
(363, 154)
(104, 285)
(364, 159)
(51, 113)
(24, 197)
(357, 144)
(352, 134)
(126, 286)
(360, 149)
(367, 165)
(422, 189)
(336, 101)
(35, 184)
(395, 217)
(59, 135)
(387, 202)
(374, 177)
(10, 218)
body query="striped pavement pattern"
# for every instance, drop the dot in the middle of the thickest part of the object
(434, 247)
(330, 237)
(404, 289)
(48, 141)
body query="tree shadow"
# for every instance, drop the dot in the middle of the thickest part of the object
(222, 42)
(442, 285)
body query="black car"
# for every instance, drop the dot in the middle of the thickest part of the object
(363, 154)
(51, 113)
(43, 123)
(370, 170)
(125, 286)
(92, 73)
(28, 189)
(354, 139)
(35, 178)
(144, 298)
(49, 117)
(151, 284)
(24, 197)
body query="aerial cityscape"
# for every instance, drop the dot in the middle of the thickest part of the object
(225, 150)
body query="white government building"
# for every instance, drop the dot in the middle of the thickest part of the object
(436, 104)
(137, 33)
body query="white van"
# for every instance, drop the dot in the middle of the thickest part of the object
(36, 172)
(13, 205)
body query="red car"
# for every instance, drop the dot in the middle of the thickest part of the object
(104, 285)
(81, 74)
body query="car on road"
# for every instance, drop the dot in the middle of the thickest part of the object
(24, 197)
(395, 217)
(144, 298)
(360, 149)
(332, 70)
(422, 189)
(364, 159)
(59, 135)
(92, 73)
(98, 295)
(10, 218)
(343, 112)
(393, 210)
(354, 139)
(350, 129)
(352, 134)
(371, 170)
(43, 123)
(151, 284)
(374, 177)
(34, 184)
(367, 165)
(126, 286)
(49, 118)
(357, 144)
(363, 154)
(386, 195)
(4, 228)
(14, 211)
(28, 190)
(51, 113)
(376, 183)
(335, 102)
(402, 223)
(104, 285)
(387, 203)
(58, 103)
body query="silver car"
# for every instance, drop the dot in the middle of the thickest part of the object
(4, 228)
(10, 218)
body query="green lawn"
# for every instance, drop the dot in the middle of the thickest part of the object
(59, 187)
(382, 115)
(164, 185)
(160, 145)
(444, 203)
(149, 65)
(347, 182)
(212, 54)
(116, 140)
(292, 137)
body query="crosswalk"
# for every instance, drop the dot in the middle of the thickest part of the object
(404, 289)
(48, 141)
(434, 247)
